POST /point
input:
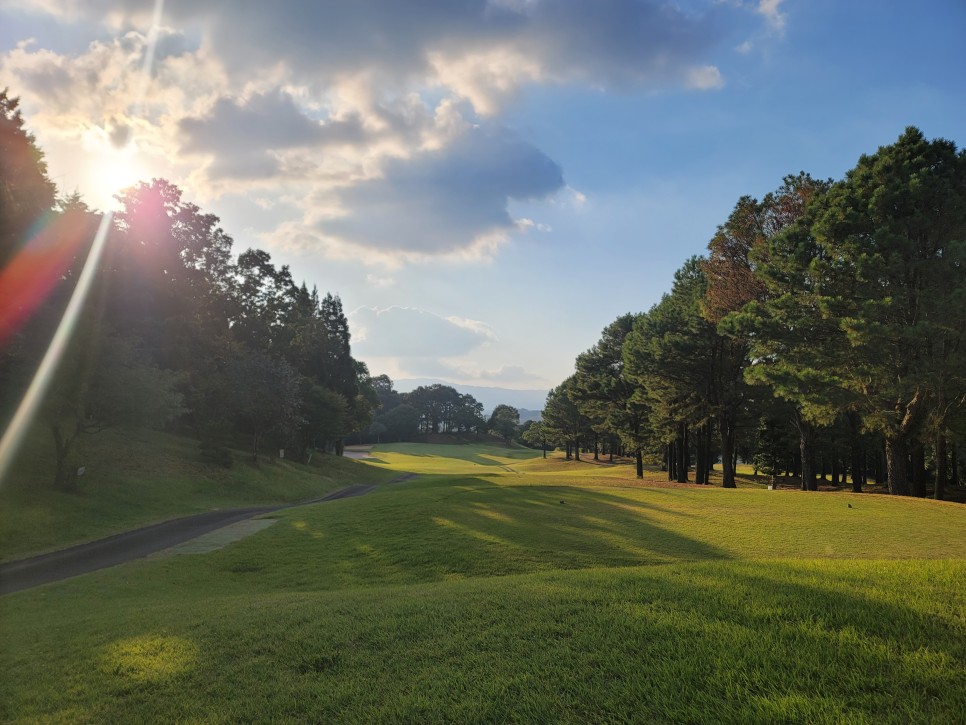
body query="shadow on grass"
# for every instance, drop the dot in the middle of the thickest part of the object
(826, 641)
(470, 527)
(707, 639)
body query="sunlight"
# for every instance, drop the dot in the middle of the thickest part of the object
(151, 657)
(110, 170)
(111, 166)
(26, 411)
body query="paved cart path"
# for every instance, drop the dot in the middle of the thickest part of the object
(23, 574)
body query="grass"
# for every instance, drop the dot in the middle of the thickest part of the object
(136, 478)
(501, 587)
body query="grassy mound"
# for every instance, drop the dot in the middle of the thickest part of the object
(134, 478)
(501, 587)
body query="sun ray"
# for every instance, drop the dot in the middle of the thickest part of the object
(26, 412)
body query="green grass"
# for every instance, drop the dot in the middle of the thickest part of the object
(137, 477)
(472, 594)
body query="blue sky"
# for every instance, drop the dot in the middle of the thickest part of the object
(488, 183)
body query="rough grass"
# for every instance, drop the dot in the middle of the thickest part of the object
(138, 477)
(477, 596)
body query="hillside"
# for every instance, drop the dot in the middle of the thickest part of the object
(498, 586)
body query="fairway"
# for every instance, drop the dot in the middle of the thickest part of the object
(499, 586)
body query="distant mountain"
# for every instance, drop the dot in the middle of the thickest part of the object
(530, 400)
(527, 414)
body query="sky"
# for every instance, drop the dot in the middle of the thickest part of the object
(486, 183)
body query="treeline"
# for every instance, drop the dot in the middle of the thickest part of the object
(823, 333)
(176, 330)
(435, 409)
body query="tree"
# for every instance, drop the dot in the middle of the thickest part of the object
(893, 241)
(685, 369)
(262, 315)
(26, 193)
(402, 422)
(608, 393)
(385, 393)
(750, 256)
(435, 404)
(468, 415)
(539, 434)
(504, 421)
(563, 419)
(104, 382)
(169, 275)
(326, 418)
(267, 397)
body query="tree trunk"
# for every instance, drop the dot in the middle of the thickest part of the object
(955, 463)
(896, 459)
(941, 467)
(671, 459)
(857, 465)
(835, 471)
(710, 450)
(65, 475)
(918, 470)
(682, 453)
(639, 460)
(700, 472)
(727, 428)
(567, 448)
(576, 450)
(806, 446)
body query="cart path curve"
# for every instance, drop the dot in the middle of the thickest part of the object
(27, 573)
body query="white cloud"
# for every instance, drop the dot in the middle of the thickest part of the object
(409, 332)
(380, 119)
(375, 281)
(771, 10)
(445, 199)
(705, 78)
(510, 375)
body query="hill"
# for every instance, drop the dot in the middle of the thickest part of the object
(498, 586)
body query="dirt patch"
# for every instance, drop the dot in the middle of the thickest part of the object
(218, 539)
(357, 454)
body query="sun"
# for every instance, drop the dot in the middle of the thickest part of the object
(109, 169)
(117, 170)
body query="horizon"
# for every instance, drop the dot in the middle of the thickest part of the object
(452, 184)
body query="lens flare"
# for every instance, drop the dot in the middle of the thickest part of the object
(32, 274)
(20, 423)
(43, 263)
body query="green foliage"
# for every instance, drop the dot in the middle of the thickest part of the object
(537, 433)
(267, 397)
(402, 422)
(326, 416)
(894, 237)
(505, 422)
(563, 418)
(443, 409)
(607, 393)
(25, 191)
